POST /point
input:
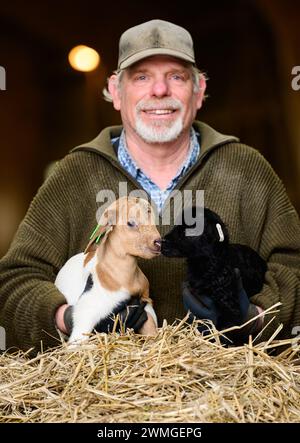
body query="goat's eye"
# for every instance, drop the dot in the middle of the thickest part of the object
(131, 224)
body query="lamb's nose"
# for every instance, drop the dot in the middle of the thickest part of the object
(157, 243)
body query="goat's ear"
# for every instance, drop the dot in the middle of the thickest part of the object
(99, 234)
(110, 217)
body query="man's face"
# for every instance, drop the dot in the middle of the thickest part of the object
(157, 98)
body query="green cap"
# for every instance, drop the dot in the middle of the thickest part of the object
(156, 37)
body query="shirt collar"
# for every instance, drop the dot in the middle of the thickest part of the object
(129, 164)
(125, 158)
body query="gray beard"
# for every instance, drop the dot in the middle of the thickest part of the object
(159, 132)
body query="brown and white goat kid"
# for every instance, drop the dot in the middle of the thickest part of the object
(126, 230)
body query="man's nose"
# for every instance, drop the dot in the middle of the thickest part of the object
(160, 88)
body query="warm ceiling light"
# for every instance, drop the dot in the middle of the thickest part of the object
(83, 58)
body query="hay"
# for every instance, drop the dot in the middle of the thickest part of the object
(177, 376)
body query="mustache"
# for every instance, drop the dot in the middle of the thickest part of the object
(166, 103)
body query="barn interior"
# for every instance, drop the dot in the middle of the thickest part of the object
(249, 50)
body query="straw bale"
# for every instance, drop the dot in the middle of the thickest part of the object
(177, 376)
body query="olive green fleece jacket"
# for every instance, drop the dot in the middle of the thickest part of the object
(238, 183)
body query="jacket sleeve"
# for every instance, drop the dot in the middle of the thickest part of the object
(282, 280)
(280, 246)
(28, 297)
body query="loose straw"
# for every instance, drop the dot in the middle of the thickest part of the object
(176, 376)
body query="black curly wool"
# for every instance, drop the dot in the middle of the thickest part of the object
(211, 262)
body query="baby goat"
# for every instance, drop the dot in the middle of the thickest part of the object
(106, 274)
(211, 261)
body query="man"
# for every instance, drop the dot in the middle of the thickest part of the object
(160, 148)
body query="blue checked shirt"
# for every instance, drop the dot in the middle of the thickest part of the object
(157, 195)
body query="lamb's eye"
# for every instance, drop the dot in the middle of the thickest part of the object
(131, 224)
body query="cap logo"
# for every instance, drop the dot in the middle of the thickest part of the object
(156, 40)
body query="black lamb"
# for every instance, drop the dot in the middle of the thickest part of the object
(212, 261)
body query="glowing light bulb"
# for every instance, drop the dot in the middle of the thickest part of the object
(82, 58)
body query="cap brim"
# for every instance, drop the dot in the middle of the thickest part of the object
(154, 51)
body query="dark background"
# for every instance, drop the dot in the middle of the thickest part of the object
(247, 48)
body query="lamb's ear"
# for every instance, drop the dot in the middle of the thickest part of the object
(220, 232)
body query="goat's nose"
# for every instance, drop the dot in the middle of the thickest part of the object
(157, 243)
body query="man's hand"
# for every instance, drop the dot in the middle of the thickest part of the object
(59, 318)
(131, 315)
(203, 307)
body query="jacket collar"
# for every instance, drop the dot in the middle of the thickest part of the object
(209, 137)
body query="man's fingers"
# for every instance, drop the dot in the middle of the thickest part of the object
(140, 321)
(68, 319)
(196, 306)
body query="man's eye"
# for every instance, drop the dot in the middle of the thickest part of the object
(141, 77)
(177, 77)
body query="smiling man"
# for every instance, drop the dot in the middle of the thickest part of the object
(159, 149)
(158, 99)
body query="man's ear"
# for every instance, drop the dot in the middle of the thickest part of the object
(114, 91)
(201, 91)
